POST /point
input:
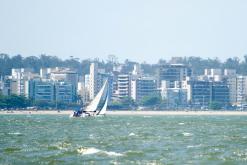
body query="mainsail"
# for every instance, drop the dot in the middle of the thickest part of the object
(92, 107)
(103, 110)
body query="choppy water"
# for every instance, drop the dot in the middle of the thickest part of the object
(44, 139)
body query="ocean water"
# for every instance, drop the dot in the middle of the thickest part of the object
(57, 139)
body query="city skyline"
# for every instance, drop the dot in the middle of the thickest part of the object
(135, 30)
(123, 81)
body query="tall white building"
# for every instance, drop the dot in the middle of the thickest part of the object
(93, 77)
(232, 83)
(237, 89)
(231, 77)
(123, 86)
(97, 77)
(241, 90)
(20, 81)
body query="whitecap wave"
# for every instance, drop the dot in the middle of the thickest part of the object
(113, 153)
(91, 150)
(87, 151)
(15, 133)
(180, 123)
(187, 134)
(91, 136)
(132, 134)
(194, 146)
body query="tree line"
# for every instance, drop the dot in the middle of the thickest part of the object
(198, 64)
(21, 102)
(42, 61)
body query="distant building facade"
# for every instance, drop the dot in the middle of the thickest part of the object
(202, 93)
(42, 91)
(93, 81)
(64, 92)
(141, 87)
(123, 85)
(51, 91)
(173, 72)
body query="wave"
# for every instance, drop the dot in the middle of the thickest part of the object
(87, 151)
(113, 153)
(187, 134)
(91, 136)
(134, 153)
(132, 134)
(194, 146)
(14, 133)
(61, 146)
(91, 150)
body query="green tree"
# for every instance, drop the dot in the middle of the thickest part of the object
(232, 63)
(214, 106)
(14, 101)
(3, 102)
(151, 100)
(124, 103)
(127, 102)
(17, 61)
(32, 62)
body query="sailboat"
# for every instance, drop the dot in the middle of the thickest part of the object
(95, 108)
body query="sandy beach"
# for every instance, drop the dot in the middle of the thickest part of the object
(160, 113)
(40, 112)
(140, 113)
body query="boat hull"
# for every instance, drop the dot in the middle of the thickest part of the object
(84, 115)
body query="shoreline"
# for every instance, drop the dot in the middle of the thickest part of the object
(132, 113)
(181, 113)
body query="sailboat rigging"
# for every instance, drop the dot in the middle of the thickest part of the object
(94, 108)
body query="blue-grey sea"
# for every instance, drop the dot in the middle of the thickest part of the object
(58, 139)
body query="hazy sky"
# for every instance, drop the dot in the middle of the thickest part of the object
(141, 30)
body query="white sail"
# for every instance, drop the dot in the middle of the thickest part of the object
(94, 104)
(103, 110)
